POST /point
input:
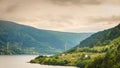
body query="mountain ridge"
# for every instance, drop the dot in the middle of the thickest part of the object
(36, 40)
(99, 55)
(101, 37)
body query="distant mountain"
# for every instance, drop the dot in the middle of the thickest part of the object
(101, 38)
(21, 39)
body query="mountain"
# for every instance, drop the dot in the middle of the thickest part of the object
(100, 50)
(111, 59)
(21, 39)
(101, 38)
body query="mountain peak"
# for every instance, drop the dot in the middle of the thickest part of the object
(118, 26)
(102, 38)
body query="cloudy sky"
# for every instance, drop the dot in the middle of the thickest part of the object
(63, 15)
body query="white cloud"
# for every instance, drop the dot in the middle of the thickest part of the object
(44, 14)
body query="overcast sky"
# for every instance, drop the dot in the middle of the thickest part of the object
(63, 15)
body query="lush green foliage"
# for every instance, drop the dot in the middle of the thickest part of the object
(111, 59)
(86, 57)
(77, 58)
(101, 38)
(102, 51)
(28, 39)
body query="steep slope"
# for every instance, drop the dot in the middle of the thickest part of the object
(84, 58)
(101, 38)
(20, 39)
(111, 59)
(102, 55)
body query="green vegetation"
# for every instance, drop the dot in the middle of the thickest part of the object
(14, 49)
(28, 40)
(95, 57)
(111, 59)
(101, 38)
(78, 58)
(101, 50)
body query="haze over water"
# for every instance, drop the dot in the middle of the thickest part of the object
(21, 61)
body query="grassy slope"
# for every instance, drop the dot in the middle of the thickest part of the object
(111, 59)
(101, 56)
(101, 38)
(87, 57)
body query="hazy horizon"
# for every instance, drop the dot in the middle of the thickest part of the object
(63, 15)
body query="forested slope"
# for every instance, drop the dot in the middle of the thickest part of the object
(21, 39)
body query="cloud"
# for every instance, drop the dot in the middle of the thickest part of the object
(8, 6)
(11, 8)
(111, 19)
(68, 16)
(75, 2)
(84, 2)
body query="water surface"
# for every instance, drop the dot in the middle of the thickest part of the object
(21, 61)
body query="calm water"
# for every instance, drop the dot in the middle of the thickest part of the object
(20, 61)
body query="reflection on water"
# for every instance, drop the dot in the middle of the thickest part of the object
(20, 61)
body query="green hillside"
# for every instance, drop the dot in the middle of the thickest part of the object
(103, 52)
(111, 59)
(21, 39)
(101, 38)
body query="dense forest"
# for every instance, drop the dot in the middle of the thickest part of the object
(21, 39)
(101, 38)
(101, 50)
